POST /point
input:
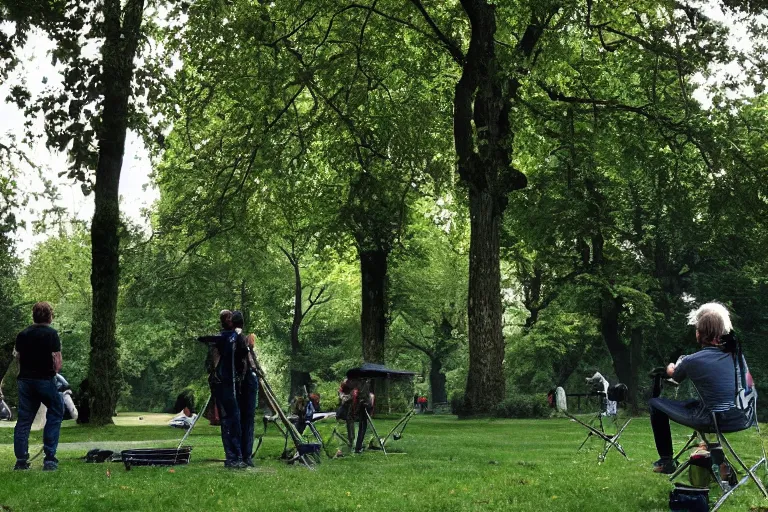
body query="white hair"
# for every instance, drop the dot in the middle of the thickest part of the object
(711, 307)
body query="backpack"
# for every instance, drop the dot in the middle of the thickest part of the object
(690, 499)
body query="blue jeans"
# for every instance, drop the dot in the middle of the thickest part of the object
(246, 399)
(32, 393)
(229, 412)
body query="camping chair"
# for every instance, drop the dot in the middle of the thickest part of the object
(615, 393)
(395, 433)
(740, 418)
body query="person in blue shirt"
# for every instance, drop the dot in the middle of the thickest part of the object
(713, 372)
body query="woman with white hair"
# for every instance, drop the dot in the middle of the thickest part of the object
(713, 373)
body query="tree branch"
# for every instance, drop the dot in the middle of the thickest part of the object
(450, 45)
(416, 346)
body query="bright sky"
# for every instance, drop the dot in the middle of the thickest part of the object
(136, 189)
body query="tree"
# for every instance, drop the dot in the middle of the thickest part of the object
(366, 173)
(94, 106)
(429, 294)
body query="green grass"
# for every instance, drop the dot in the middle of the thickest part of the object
(447, 464)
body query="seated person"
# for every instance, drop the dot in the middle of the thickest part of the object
(713, 372)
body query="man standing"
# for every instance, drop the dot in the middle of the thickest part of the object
(224, 381)
(38, 350)
(247, 385)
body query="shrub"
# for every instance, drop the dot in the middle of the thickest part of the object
(523, 406)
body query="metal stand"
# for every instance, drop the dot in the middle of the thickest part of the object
(610, 441)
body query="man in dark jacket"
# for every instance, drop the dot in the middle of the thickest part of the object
(247, 387)
(38, 349)
(229, 355)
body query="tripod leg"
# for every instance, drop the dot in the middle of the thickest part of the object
(589, 435)
(373, 427)
(189, 430)
(615, 442)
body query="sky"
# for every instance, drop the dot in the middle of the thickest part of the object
(136, 189)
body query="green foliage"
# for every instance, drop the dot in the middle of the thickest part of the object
(523, 406)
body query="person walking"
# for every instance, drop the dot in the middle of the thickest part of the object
(38, 349)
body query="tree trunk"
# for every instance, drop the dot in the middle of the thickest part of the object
(299, 378)
(373, 319)
(118, 52)
(485, 381)
(610, 308)
(484, 143)
(636, 353)
(437, 381)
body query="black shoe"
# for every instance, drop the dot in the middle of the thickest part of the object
(236, 464)
(21, 465)
(50, 465)
(249, 463)
(665, 466)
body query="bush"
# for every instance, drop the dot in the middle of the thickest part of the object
(523, 406)
(516, 405)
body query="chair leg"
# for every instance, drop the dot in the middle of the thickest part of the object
(682, 467)
(741, 482)
(762, 445)
(595, 432)
(688, 444)
(749, 471)
(615, 439)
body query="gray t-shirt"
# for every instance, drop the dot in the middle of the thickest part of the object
(712, 372)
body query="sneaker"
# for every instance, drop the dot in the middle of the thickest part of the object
(50, 465)
(21, 465)
(249, 463)
(238, 464)
(665, 466)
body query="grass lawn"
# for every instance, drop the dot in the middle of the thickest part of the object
(443, 464)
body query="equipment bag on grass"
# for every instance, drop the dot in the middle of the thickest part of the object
(689, 499)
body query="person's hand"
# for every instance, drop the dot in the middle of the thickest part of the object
(670, 369)
(251, 340)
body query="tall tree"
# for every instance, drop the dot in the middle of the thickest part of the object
(93, 105)
(367, 173)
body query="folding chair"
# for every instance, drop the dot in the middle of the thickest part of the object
(609, 441)
(396, 433)
(740, 418)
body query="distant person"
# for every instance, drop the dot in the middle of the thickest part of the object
(247, 386)
(84, 403)
(70, 410)
(185, 403)
(364, 402)
(65, 390)
(38, 350)
(346, 409)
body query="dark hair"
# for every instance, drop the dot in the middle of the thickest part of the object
(237, 319)
(42, 313)
(226, 319)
